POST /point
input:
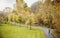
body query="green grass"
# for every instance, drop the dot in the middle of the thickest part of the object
(14, 31)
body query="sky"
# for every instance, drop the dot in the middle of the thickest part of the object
(6, 3)
(30, 2)
(10, 3)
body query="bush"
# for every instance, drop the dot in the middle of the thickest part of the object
(20, 19)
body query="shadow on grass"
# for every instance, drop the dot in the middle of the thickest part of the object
(1, 36)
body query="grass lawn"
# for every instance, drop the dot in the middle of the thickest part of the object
(14, 31)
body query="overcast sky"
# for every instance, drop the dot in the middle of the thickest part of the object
(30, 2)
(10, 3)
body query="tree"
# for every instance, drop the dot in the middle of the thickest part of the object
(3, 18)
(47, 12)
(20, 19)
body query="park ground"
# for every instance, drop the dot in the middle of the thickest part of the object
(15, 31)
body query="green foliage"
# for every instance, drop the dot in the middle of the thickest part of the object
(20, 19)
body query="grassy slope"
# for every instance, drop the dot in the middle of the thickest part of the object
(11, 31)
